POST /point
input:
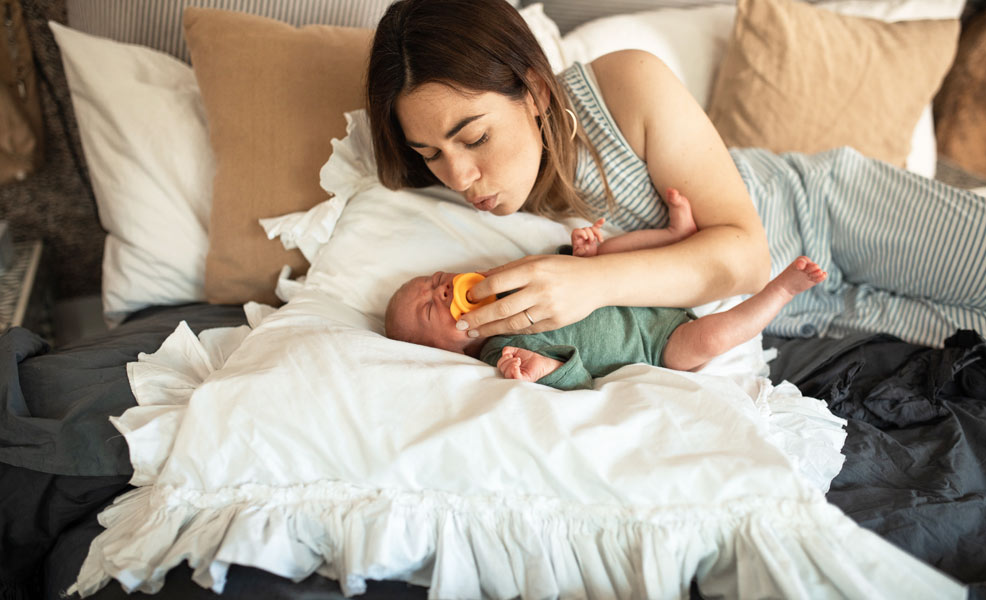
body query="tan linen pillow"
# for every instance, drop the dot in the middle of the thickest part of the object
(274, 97)
(800, 78)
(960, 106)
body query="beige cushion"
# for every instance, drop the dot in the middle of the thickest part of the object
(960, 106)
(800, 78)
(274, 98)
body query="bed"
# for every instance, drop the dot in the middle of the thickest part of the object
(244, 428)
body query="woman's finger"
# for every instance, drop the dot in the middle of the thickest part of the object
(505, 278)
(509, 265)
(516, 324)
(503, 316)
(513, 314)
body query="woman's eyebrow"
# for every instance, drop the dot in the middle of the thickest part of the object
(451, 132)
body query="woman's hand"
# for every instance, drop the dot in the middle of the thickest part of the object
(551, 291)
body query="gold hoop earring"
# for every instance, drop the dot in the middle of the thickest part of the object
(575, 124)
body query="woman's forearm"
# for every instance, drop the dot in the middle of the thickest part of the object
(714, 263)
(551, 291)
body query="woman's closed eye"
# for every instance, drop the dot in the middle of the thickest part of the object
(482, 140)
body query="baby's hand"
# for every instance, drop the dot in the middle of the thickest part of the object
(525, 365)
(586, 240)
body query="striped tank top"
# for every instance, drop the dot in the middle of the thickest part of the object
(639, 206)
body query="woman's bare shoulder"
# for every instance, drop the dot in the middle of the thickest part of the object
(635, 85)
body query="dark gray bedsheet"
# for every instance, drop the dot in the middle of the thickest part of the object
(56, 404)
(60, 458)
(916, 444)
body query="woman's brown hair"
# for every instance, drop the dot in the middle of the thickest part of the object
(472, 46)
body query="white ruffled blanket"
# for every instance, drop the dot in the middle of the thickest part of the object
(307, 442)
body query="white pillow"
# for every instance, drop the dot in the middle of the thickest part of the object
(546, 33)
(692, 41)
(146, 143)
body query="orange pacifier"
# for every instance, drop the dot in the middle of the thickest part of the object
(461, 284)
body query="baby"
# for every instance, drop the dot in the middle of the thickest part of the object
(610, 337)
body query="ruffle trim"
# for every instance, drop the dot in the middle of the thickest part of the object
(163, 383)
(498, 547)
(805, 430)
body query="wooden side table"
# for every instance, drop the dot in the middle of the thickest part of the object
(25, 294)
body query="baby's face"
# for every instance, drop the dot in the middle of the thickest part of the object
(420, 313)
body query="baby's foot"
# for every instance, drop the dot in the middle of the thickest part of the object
(681, 223)
(802, 274)
(586, 240)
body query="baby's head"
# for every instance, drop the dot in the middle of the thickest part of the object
(419, 312)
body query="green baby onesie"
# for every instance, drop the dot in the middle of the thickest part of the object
(609, 338)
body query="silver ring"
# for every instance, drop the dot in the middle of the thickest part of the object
(528, 315)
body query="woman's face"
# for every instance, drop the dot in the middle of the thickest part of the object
(483, 145)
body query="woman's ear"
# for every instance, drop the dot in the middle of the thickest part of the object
(541, 94)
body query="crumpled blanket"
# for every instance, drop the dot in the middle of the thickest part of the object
(499, 487)
(56, 405)
(916, 438)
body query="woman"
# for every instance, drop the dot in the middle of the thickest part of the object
(460, 94)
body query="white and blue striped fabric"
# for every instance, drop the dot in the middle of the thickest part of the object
(157, 23)
(906, 255)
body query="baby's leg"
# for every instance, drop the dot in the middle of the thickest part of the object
(523, 364)
(697, 342)
(681, 222)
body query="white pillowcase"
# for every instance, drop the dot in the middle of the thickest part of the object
(692, 42)
(146, 143)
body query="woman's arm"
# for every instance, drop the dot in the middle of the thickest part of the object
(726, 256)
(670, 131)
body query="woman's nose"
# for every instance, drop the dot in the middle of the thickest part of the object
(462, 173)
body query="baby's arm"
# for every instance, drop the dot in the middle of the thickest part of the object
(588, 241)
(523, 364)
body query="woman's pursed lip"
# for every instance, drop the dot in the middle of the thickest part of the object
(483, 202)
